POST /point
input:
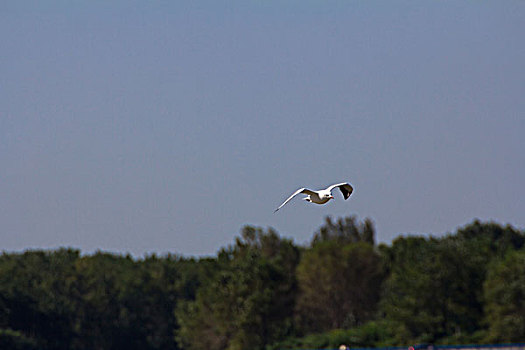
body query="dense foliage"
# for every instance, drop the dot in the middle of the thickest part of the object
(265, 292)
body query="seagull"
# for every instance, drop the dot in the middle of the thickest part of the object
(321, 196)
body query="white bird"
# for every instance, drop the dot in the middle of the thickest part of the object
(321, 196)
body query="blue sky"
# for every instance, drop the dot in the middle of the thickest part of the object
(161, 127)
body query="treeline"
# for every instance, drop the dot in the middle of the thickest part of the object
(265, 292)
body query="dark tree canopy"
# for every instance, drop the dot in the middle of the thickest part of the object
(339, 285)
(504, 293)
(345, 230)
(266, 292)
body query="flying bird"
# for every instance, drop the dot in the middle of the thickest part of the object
(321, 196)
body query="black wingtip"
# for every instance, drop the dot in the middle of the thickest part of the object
(346, 193)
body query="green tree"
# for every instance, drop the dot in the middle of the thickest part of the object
(255, 293)
(249, 301)
(59, 300)
(102, 323)
(339, 285)
(148, 297)
(429, 293)
(345, 230)
(37, 297)
(435, 288)
(504, 292)
(490, 239)
(14, 340)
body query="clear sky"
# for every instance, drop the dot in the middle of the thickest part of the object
(166, 126)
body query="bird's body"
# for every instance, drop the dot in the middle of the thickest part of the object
(318, 198)
(321, 196)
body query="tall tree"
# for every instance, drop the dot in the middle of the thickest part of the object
(102, 323)
(428, 294)
(345, 230)
(339, 285)
(37, 297)
(504, 292)
(249, 302)
(435, 285)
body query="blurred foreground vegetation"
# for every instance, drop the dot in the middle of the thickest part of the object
(265, 292)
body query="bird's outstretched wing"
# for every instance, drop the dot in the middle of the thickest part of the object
(301, 190)
(345, 187)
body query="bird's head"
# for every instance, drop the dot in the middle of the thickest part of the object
(328, 196)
